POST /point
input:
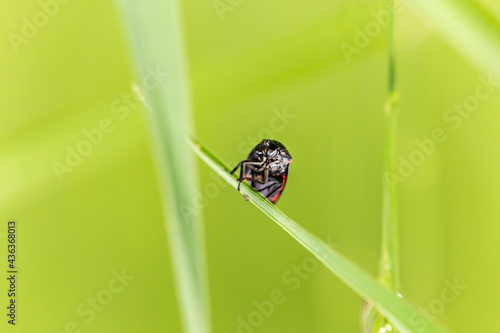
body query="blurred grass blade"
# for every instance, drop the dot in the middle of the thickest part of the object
(371, 319)
(467, 28)
(155, 36)
(398, 311)
(389, 265)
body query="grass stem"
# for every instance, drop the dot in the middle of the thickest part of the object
(155, 36)
(389, 265)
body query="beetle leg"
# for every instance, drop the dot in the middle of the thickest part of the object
(261, 181)
(239, 164)
(242, 166)
(268, 186)
(241, 179)
(244, 163)
(266, 175)
(235, 168)
(242, 169)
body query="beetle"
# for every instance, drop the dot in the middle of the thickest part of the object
(266, 169)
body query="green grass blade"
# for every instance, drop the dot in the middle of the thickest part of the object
(371, 319)
(156, 40)
(389, 266)
(398, 311)
(467, 28)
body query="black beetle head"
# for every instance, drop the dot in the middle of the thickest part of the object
(278, 157)
(273, 149)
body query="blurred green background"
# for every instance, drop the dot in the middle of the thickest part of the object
(263, 69)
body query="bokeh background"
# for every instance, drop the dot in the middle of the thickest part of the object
(260, 60)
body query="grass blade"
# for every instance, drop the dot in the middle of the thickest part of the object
(389, 266)
(399, 312)
(467, 28)
(371, 319)
(155, 36)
